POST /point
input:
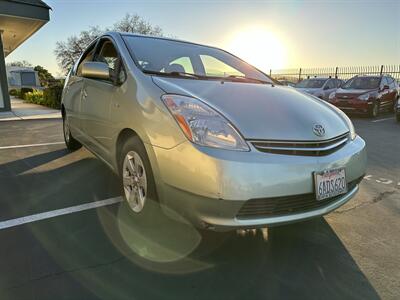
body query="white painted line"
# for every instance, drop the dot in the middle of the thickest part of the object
(381, 120)
(58, 212)
(29, 145)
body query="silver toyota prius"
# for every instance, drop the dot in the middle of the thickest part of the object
(208, 137)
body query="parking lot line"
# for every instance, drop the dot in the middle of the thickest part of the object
(29, 145)
(381, 120)
(58, 212)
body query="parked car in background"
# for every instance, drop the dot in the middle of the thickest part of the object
(196, 131)
(367, 94)
(319, 87)
(287, 83)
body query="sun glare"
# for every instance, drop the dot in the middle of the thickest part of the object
(259, 47)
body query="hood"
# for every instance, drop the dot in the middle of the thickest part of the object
(351, 93)
(261, 111)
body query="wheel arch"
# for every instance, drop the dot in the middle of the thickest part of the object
(123, 135)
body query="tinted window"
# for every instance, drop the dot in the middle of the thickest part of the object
(311, 83)
(181, 64)
(330, 84)
(109, 55)
(216, 67)
(154, 54)
(87, 56)
(362, 83)
(384, 82)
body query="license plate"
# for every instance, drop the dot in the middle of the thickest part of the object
(330, 183)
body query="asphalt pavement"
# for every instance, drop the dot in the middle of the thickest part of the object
(64, 233)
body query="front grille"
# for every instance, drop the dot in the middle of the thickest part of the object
(303, 148)
(267, 207)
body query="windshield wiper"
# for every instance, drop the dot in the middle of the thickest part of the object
(249, 79)
(175, 74)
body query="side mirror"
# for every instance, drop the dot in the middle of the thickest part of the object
(385, 87)
(96, 70)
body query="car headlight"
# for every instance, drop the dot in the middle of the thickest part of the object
(203, 125)
(332, 95)
(364, 97)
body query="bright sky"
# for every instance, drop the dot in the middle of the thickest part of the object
(268, 34)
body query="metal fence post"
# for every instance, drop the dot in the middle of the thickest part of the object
(299, 74)
(381, 70)
(270, 72)
(336, 71)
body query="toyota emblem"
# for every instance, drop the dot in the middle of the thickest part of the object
(319, 130)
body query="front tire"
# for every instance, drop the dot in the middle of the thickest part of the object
(71, 143)
(374, 111)
(136, 176)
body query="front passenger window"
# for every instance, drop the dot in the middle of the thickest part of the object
(108, 54)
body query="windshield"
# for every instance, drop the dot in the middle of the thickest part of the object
(311, 83)
(167, 56)
(362, 83)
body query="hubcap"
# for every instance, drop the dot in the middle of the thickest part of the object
(134, 181)
(66, 130)
(375, 112)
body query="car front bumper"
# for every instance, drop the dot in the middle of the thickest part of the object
(353, 105)
(208, 187)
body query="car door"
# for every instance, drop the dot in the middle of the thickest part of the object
(97, 98)
(385, 93)
(72, 94)
(392, 90)
(328, 88)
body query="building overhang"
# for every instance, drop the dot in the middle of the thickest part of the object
(19, 19)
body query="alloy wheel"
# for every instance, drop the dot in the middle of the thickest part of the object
(375, 110)
(134, 181)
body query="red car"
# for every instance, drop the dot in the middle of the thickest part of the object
(366, 94)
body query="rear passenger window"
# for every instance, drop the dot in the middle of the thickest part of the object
(383, 82)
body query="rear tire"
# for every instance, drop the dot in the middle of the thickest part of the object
(71, 143)
(137, 181)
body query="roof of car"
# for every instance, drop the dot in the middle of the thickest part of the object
(155, 37)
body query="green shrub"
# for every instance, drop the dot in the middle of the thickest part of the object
(34, 97)
(24, 91)
(15, 93)
(52, 96)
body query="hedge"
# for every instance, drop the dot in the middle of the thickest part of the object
(50, 97)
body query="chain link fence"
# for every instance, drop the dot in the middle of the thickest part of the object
(344, 73)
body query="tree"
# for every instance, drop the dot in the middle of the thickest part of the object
(21, 64)
(45, 76)
(67, 52)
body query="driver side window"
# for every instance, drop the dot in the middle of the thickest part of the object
(108, 54)
(88, 56)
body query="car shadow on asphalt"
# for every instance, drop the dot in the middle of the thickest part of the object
(107, 253)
